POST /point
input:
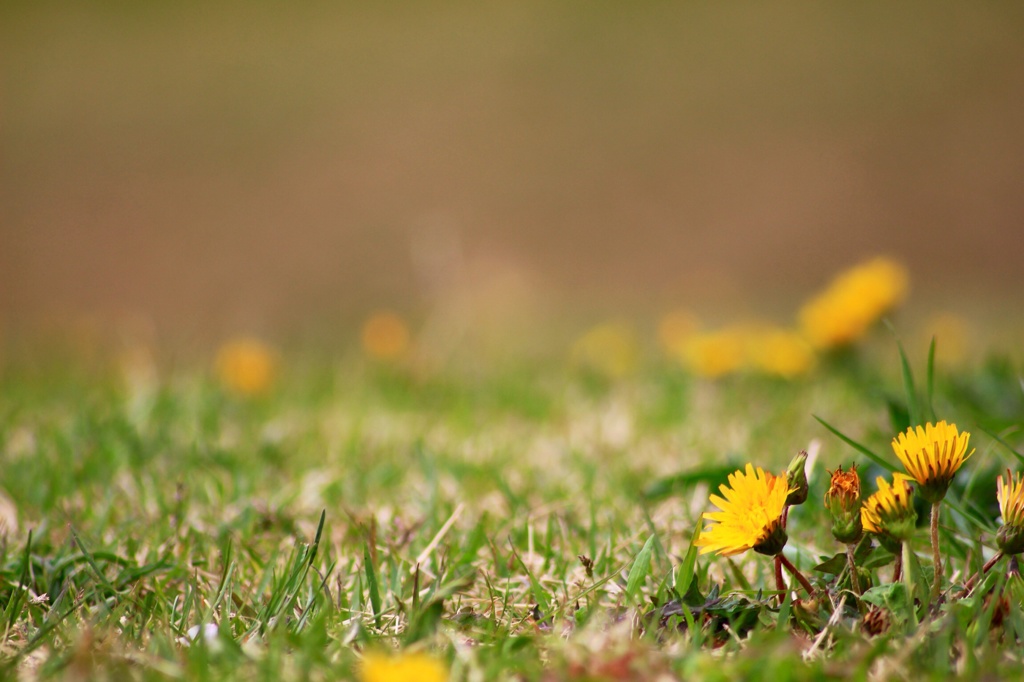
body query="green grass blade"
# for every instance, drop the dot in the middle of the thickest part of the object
(930, 382)
(877, 459)
(913, 403)
(14, 605)
(999, 439)
(641, 567)
(539, 593)
(95, 567)
(316, 538)
(371, 581)
(686, 569)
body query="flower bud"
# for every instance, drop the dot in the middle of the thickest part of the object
(796, 479)
(843, 503)
(1010, 494)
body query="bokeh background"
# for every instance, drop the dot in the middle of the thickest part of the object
(210, 166)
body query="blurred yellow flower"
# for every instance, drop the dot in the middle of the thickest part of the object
(781, 352)
(674, 330)
(246, 366)
(385, 336)
(610, 348)
(854, 301)
(414, 667)
(714, 354)
(749, 516)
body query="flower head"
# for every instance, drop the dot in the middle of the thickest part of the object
(854, 301)
(889, 513)
(796, 479)
(714, 354)
(779, 352)
(414, 667)
(749, 516)
(610, 349)
(246, 366)
(385, 336)
(1010, 494)
(843, 502)
(932, 454)
(674, 331)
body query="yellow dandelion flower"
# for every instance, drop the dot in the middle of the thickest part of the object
(889, 512)
(1010, 494)
(932, 455)
(854, 301)
(414, 667)
(749, 516)
(385, 336)
(610, 349)
(715, 354)
(246, 366)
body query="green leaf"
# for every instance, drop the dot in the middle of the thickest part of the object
(833, 565)
(876, 558)
(877, 459)
(915, 580)
(785, 609)
(893, 596)
(641, 567)
(685, 575)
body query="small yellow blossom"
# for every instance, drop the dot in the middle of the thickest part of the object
(749, 516)
(413, 667)
(715, 354)
(610, 349)
(674, 330)
(889, 512)
(385, 336)
(780, 352)
(932, 455)
(854, 301)
(246, 366)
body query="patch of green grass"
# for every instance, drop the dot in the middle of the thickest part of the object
(527, 523)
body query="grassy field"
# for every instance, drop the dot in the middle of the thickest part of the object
(530, 519)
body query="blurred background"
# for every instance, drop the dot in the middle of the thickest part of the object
(285, 167)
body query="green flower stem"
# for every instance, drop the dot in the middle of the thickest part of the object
(854, 578)
(796, 573)
(936, 556)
